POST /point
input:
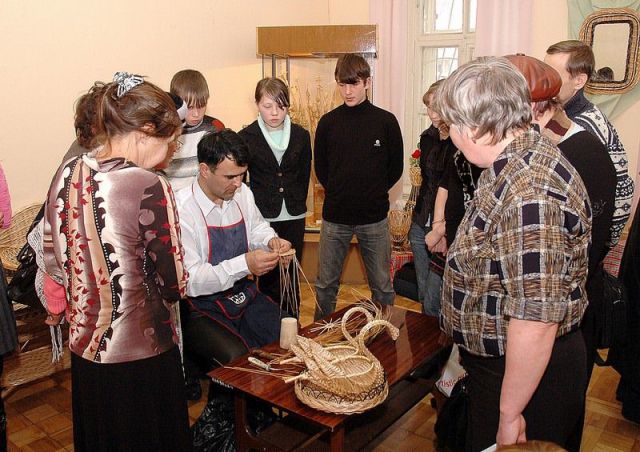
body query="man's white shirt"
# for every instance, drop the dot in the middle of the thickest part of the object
(196, 211)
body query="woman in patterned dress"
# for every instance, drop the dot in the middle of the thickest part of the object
(111, 237)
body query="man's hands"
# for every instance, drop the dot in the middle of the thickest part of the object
(261, 261)
(278, 245)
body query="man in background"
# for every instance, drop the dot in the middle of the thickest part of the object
(575, 63)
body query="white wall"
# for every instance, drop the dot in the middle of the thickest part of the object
(53, 51)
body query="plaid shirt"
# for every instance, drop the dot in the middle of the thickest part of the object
(521, 249)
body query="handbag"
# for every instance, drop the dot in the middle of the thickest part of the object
(21, 288)
(451, 425)
(611, 318)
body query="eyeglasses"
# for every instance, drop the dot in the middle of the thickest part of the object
(177, 144)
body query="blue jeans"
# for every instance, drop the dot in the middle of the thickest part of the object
(429, 283)
(375, 247)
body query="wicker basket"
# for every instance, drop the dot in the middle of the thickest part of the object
(399, 224)
(14, 238)
(415, 175)
(25, 367)
(33, 359)
(342, 379)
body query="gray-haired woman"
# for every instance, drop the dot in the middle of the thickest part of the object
(514, 283)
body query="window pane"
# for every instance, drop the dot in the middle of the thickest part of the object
(438, 63)
(442, 16)
(449, 15)
(473, 9)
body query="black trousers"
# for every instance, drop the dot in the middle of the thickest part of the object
(554, 409)
(210, 344)
(3, 415)
(589, 330)
(269, 283)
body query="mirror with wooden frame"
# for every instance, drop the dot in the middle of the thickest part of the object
(613, 36)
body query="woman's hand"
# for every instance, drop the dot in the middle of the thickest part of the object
(431, 239)
(435, 236)
(511, 430)
(54, 319)
(1, 219)
(440, 247)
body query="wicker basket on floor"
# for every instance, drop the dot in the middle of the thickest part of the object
(25, 367)
(33, 359)
(342, 379)
(13, 238)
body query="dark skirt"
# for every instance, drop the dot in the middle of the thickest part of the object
(8, 336)
(132, 406)
(554, 409)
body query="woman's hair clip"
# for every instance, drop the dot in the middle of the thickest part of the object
(126, 81)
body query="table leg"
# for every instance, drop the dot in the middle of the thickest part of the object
(246, 438)
(242, 438)
(336, 438)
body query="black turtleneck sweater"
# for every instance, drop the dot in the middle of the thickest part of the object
(357, 158)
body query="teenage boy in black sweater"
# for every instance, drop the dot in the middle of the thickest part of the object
(357, 158)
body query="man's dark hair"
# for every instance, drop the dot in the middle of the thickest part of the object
(214, 147)
(350, 68)
(581, 59)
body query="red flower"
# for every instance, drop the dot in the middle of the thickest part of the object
(416, 154)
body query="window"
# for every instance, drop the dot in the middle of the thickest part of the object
(441, 38)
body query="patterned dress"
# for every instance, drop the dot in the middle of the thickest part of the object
(111, 235)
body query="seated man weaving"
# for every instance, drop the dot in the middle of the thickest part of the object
(225, 240)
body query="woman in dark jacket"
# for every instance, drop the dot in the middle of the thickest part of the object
(436, 149)
(279, 171)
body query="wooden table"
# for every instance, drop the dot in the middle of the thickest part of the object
(304, 426)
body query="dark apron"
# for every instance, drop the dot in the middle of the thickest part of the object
(249, 314)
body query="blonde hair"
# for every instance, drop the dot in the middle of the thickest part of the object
(432, 89)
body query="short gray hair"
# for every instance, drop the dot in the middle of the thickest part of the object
(489, 94)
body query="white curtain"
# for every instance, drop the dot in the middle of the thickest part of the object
(389, 80)
(503, 27)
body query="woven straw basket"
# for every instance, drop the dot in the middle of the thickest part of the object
(399, 225)
(342, 379)
(13, 238)
(415, 175)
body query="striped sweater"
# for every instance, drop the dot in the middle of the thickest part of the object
(184, 166)
(587, 115)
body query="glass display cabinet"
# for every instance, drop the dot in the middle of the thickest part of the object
(305, 56)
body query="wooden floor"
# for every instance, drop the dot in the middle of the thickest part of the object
(39, 414)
